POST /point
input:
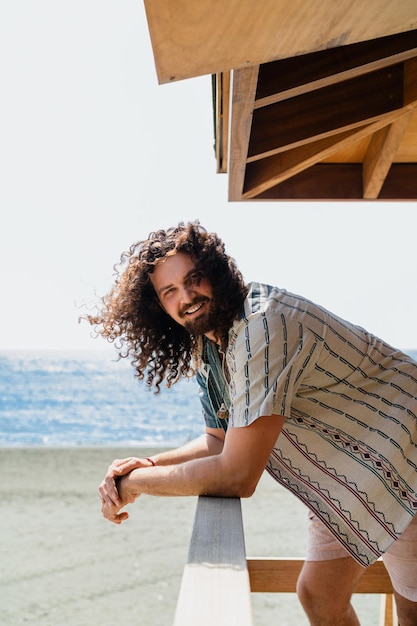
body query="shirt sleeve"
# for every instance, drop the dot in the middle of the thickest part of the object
(271, 350)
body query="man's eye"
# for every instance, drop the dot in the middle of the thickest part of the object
(195, 279)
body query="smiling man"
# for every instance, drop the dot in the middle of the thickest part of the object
(328, 409)
(184, 294)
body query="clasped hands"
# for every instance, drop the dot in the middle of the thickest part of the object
(113, 491)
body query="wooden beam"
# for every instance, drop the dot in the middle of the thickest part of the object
(384, 145)
(281, 575)
(343, 181)
(266, 173)
(380, 156)
(407, 152)
(196, 37)
(410, 81)
(288, 78)
(335, 107)
(244, 88)
(222, 106)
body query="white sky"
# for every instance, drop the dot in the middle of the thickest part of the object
(94, 154)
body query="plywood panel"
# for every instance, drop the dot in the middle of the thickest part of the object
(197, 37)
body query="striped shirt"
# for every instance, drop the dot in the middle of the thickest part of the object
(348, 447)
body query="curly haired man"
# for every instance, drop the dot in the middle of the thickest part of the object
(328, 409)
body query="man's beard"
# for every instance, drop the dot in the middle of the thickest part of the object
(202, 324)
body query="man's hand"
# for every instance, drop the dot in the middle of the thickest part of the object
(112, 514)
(108, 489)
(111, 510)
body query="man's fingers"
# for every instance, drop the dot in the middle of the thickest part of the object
(108, 493)
(111, 513)
(119, 467)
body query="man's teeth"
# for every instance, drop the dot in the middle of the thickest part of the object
(194, 308)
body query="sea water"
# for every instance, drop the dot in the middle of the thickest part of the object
(89, 399)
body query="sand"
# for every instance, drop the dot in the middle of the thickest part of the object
(63, 564)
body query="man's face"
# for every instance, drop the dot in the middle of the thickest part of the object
(184, 294)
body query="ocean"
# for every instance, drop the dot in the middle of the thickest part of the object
(90, 399)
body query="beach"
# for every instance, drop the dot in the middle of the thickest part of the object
(64, 565)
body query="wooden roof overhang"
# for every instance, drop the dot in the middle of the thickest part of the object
(312, 100)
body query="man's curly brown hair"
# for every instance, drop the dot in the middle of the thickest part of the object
(131, 316)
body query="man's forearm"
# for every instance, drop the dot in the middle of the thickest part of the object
(234, 472)
(206, 445)
(203, 476)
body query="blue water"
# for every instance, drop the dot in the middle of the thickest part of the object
(76, 399)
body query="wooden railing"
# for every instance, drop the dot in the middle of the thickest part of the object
(218, 578)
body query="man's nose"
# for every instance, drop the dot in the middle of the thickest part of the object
(187, 293)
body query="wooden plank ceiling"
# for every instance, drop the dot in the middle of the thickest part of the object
(328, 114)
(335, 124)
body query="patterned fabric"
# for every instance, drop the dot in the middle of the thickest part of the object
(348, 448)
(214, 389)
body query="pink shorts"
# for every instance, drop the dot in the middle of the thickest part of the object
(400, 560)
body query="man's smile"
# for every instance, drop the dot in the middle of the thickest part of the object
(194, 308)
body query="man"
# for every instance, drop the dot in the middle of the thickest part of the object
(326, 408)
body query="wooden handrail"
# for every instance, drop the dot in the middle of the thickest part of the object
(218, 578)
(215, 584)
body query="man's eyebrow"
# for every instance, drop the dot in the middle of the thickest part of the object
(186, 278)
(164, 288)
